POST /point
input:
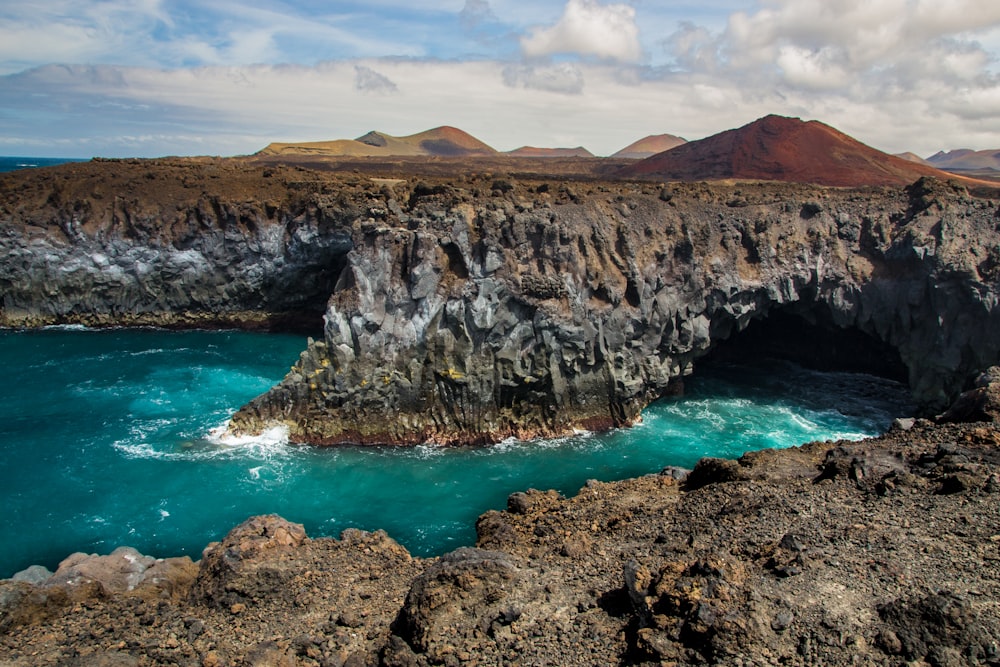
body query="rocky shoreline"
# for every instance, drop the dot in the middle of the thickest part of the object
(486, 306)
(882, 552)
(482, 306)
(525, 311)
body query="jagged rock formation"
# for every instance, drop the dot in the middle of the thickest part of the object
(482, 307)
(528, 311)
(882, 552)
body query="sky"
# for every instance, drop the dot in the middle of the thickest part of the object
(145, 78)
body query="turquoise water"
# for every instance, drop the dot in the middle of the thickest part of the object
(9, 163)
(105, 439)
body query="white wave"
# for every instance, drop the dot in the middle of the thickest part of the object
(219, 443)
(506, 445)
(272, 441)
(66, 327)
(428, 450)
(152, 350)
(802, 422)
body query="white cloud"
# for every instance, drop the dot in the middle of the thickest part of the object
(838, 39)
(897, 74)
(239, 110)
(559, 78)
(588, 28)
(819, 70)
(693, 47)
(368, 80)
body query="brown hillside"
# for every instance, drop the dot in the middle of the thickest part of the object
(777, 148)
(439, 142)
(650, 146)
(448, 141)
(913, 157)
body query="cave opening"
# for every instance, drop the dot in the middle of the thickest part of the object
(298, 297)
(806, 334)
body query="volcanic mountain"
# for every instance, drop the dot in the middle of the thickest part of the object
(532, 151)
(913, 157)
(442, 141)
(965, 159)
(650, 146)
(776, 148)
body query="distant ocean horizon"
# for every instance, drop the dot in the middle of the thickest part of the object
(13, 163)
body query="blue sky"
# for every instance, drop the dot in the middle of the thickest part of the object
(150, 77)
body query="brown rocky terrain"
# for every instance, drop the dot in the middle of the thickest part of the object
(881, 552)
(782, 149)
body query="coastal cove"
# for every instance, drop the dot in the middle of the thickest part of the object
(107, 438)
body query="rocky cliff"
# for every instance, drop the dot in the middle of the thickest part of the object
(531, 309)
(189, 243)
(477, 308)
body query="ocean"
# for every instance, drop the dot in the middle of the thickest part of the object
(107, 438)
(8, 163)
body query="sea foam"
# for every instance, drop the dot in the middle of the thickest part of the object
(271, 442)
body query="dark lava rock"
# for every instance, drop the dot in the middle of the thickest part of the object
(241, 568)
(456, 600)
(942, 629)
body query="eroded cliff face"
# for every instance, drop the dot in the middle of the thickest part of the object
(175, 243)
(473, 315)
(476, 308)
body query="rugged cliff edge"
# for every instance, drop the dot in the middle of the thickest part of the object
(526, 310)
(481, 307)
(173, 243)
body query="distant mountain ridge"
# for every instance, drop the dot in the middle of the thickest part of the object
(778, 148)
(965, 159)
(533, 151)
(447, 141)
(912, 157)
(650, 146)
(775, 148)
(444, 141)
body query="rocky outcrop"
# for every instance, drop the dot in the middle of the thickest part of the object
(478, 308)
(170, 243)
(881, 552)
(530, 311)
